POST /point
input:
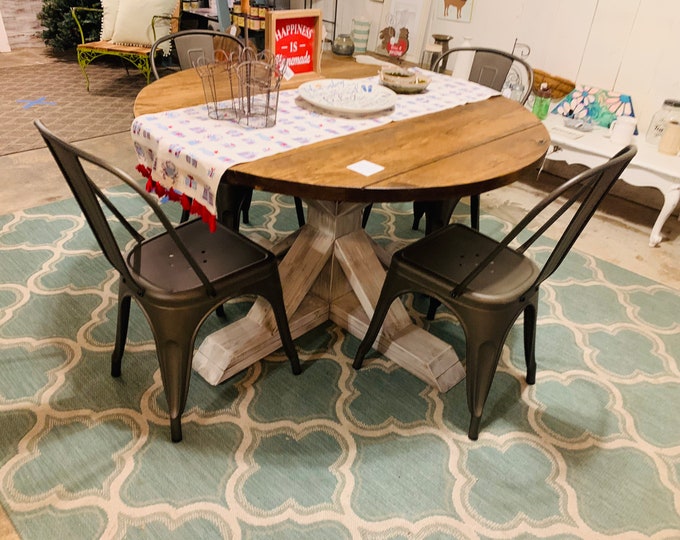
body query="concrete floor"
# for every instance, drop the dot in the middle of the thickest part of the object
(618, 233)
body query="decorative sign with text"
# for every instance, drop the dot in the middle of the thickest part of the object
(296, 36)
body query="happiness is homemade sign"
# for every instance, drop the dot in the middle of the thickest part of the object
(296, 36)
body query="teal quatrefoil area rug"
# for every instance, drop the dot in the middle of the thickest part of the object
(591, 451)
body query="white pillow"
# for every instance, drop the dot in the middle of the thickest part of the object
(133, 22)
(110, 8)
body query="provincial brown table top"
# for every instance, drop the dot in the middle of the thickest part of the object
(455, 152)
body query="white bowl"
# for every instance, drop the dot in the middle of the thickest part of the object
(396, 75)
(403, 81)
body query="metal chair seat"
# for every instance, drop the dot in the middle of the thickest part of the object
(506, 278)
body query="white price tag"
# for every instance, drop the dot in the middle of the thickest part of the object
(367, 168)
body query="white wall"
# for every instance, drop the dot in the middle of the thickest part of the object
(649, 69)
(4, 42)
(20, 22)
(629, 46)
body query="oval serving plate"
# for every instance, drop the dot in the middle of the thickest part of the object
(348, 96)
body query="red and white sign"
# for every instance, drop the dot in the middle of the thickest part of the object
(398, 47)
(296, 36)
(295, 40)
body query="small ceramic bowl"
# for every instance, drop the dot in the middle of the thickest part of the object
(397, 75)
(403, 81)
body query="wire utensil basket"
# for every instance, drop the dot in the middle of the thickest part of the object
(243, 88)
(219, 84)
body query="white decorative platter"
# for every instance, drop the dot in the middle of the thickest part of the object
(348, 96)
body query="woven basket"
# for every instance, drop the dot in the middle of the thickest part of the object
(560, 87)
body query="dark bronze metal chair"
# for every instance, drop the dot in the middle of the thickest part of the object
(486, 283)
(187, 46)
(177, 277)
(490, 68)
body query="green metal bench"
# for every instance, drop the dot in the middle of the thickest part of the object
(138, 56)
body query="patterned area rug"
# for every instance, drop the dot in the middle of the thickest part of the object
(591, 451)
(55, 92)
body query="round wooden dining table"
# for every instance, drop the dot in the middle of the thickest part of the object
(332, 269)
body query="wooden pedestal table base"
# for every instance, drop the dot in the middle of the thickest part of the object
(330, 272)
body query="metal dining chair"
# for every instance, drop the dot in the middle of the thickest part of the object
(490, 68)
(177, 277)
(184, 49)
(180, 50)
(486, 283)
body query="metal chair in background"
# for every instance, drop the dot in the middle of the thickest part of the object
(180, 50)
(491, 68)
(486, 283)
(177, 277)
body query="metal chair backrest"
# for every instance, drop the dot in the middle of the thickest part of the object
(190, 45)
(584, 193)
(490, 67)
(90, 198)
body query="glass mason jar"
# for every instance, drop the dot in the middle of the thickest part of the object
(669, 111)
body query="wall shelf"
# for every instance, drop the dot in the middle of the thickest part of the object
(310, 3)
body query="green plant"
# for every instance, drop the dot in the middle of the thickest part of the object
(60, 30)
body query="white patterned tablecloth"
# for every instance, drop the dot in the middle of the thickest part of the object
(183, 153)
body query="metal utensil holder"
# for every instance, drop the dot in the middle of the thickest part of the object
(244, 89)
(259, 78)
(218, 77)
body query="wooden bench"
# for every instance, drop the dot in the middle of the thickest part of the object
(138, 56)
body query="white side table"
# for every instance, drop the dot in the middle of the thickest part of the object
(649, 168)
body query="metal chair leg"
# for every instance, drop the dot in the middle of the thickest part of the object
(123, 319)
(474, 212)
(299, 210)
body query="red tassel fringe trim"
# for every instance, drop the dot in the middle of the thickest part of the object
(194, 207)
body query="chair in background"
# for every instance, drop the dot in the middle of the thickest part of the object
(491, 68)
(177, 277)
(181, 49)
(486, 283)
(187, 46)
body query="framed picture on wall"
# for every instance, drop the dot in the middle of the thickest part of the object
(454, 10)
(402, 28)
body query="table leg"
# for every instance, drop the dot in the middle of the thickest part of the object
(330, 272)
(671, 198)
(413, 348)
(634, 176)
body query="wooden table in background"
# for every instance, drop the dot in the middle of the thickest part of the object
(331, 270)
